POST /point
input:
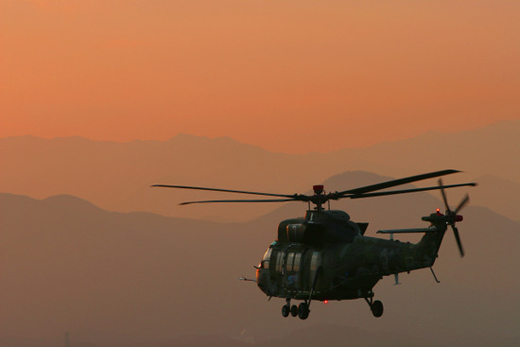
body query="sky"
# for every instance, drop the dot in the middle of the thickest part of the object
(289, 76)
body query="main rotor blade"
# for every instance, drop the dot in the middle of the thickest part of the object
(396, 182)
(224, 190)
(218, 201)
(457, 238)
(462, 203)
(405, 191)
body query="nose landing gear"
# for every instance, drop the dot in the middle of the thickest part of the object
(302, 310)
(294, 310)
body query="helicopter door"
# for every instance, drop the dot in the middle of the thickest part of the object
(290, 274)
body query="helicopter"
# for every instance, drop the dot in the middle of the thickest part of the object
(326, 256)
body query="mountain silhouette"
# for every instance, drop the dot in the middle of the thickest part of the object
(500, 195)
(117, 176)
(134, 279)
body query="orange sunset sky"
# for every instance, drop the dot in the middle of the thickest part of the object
(289, 76)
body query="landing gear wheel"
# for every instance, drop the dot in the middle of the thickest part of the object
(377, 308)
(294, 310)
(303, 310)
(286, 309)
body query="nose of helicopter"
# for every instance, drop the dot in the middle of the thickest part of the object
(262, 279)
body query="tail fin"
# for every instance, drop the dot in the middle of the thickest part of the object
(428, 248)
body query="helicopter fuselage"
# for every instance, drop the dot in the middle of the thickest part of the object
(325, 256)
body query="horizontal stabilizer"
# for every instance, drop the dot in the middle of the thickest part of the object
(407, 231)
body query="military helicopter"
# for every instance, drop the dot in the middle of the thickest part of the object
(326, 256)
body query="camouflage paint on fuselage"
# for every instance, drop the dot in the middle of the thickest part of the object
(327, 247)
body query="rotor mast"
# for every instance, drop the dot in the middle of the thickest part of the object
(319, 197)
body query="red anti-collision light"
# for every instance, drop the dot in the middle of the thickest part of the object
(458, 218)
(318, 189)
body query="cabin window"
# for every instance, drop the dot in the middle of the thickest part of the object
(297, 260)
(315, 261)
(267, 258)
(290, 260)
(315, 264)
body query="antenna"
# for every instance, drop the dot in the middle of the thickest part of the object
(67, 339)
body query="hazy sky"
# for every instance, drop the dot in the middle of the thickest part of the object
(290, 76)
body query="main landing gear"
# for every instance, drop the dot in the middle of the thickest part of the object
(302, 310)
(375, 306)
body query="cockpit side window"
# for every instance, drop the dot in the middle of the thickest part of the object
(279, 261)
(267, 258)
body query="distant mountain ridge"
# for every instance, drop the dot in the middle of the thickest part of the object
(134, 279)
(117, 176)
(492, 149)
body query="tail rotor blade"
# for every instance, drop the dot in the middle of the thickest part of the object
(462, 203)
(457, 238)
(452, 215)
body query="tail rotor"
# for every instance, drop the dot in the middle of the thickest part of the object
(452, 216)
